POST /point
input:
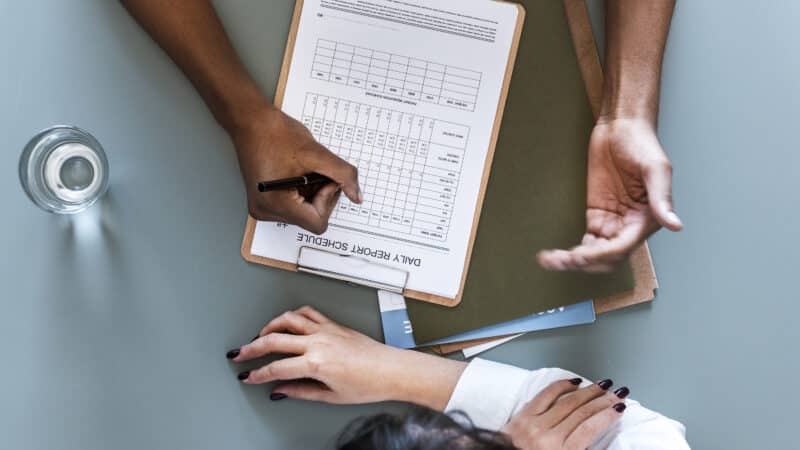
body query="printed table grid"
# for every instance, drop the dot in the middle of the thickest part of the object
(411, 78)
(409, 165)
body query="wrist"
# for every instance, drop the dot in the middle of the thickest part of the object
(626, 121)
(245, 117)
(627, 115)
(629, 94)
(616, 107)
(424, 379)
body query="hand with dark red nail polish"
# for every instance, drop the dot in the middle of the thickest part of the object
(564, 416)
(331, 363)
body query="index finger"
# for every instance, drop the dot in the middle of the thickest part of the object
(313, 314)
(285, 344)
(283, 369)
(297, 322)
(343, 173)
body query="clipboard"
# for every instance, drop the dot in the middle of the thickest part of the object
(353, 269)
(644, 275)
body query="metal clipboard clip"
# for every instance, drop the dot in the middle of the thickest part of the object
(351, 269)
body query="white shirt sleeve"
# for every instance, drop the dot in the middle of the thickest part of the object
(491, 393)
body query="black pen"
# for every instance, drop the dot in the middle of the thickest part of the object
(292, 183)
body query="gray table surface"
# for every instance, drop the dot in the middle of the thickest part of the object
(114, 324)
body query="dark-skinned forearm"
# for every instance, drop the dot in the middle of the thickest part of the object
(636, 34)
(192, 35)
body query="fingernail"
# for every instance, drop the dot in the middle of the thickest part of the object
(619, 407)
(275, 396)
(605, 384)
(576, 381)
(674, 218)
(360, 196)
(622, 392)
(243, 376)
(254, 339)
(233, 353)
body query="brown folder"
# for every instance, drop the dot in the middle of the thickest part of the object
(480, 308)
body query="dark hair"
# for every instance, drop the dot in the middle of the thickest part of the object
(420, 429)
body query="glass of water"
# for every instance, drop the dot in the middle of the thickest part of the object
(64, 170)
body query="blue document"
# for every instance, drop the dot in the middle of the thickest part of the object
(398, 332)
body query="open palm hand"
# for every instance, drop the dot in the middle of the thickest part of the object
(629, 197)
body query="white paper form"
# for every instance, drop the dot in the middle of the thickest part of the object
(407, 91)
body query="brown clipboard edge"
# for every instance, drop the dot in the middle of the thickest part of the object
(644, 273)
(250, 227)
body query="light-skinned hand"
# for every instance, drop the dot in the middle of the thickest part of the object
(331, 363)
(566, 417)
(328, 363)
(629, 197)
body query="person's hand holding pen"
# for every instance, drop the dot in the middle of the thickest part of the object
(275, 146)
(269, 144)
(629, 186)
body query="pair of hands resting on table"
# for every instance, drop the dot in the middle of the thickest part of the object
(629, 176)
(330, 363)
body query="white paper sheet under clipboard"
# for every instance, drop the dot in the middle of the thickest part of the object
(416, 105)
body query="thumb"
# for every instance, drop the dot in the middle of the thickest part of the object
(326, 199)
(303, 390)
(340, 171)
(658, 181)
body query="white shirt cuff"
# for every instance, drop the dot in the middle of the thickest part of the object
(488, 392)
